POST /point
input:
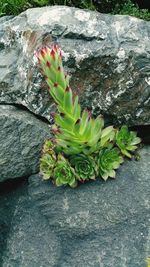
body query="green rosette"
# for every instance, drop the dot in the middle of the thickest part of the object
(109, 159)
(64, 174)
(127, 141)
(47, 164)
(85, 167)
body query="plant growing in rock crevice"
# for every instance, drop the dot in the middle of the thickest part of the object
(82, 147)
(75, 131)
(127, 141)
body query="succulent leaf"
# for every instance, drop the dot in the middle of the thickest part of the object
(68, 100)
(109, 159)
(108, 134)
(76, 108)
(127, 141)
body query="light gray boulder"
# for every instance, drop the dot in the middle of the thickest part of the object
(21, 138)
(107, 57)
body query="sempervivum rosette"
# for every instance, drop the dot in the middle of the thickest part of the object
(47, 164)
(109, 159)
(85, 167)
(48, 160)
(63, 173)
(127, 141)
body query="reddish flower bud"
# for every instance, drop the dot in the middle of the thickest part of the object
(53, 53)
(48, 64)
(45, 49)
(42, 52)
(55, 84)
(67, 89)
(55, 47)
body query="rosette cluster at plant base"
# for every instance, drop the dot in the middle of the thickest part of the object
(82, 149)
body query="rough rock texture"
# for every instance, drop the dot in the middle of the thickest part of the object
(108, 56)
(21, 139)
(96, 225)
(26, 240)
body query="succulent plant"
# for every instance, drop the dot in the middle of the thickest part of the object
(75, 132)
(109, 159)
(48, 160)
(127, 141)
(82, 148)
(85, 166)
(47, 164)
(48, 147)
(64, 174)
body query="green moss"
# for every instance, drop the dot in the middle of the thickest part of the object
(122, 7)
(13, 7)
(130, 9)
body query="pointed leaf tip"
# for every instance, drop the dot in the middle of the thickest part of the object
(42, 52)
(67, 89)
(55, 46)
(55, 84)
(48, 64)
(53, 53)
(78, 121)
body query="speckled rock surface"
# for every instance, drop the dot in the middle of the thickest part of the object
(96, 225)
(101, 224)
(26, 239)
(107, 56)
(21, 138)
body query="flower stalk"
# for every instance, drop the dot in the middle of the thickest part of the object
(82, 148)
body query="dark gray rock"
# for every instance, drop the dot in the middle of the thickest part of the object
(28, 240)
(101, 224)
(21, 138)
(97, 224)
(107, 56)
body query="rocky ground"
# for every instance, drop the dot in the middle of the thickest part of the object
(98, 224)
